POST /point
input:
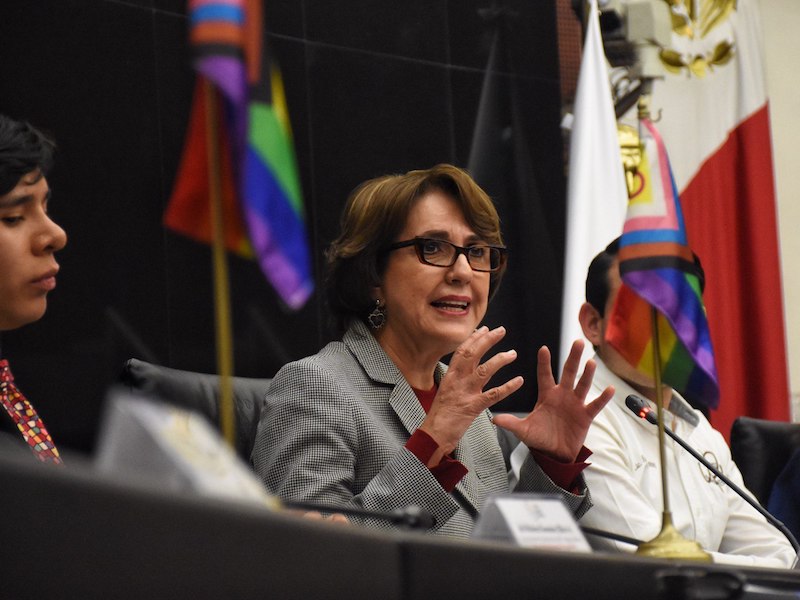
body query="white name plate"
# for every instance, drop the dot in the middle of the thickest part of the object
(174, 447)
(530, 521)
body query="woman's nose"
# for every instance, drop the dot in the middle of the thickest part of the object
(461, 269)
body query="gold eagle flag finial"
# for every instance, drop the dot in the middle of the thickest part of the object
(695, 20)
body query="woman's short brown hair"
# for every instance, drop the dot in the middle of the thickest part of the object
(375, 214)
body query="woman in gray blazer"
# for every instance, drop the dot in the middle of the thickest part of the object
(376, 420)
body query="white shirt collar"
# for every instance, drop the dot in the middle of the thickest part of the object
(678, 406)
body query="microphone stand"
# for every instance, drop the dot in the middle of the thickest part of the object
(746, 497)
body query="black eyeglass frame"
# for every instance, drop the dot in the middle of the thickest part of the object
(418, 243)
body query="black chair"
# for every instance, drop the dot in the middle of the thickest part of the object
(761, 449)
(200, 392)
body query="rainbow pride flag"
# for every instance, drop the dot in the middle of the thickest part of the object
(262, 198)
(657, 268)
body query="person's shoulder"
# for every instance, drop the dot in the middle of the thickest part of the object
(709, 434)
(329, 359)
(614, 429)
(334, 368)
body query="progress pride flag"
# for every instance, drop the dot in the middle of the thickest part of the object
(715, 125)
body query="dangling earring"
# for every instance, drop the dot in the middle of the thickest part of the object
(377, 318)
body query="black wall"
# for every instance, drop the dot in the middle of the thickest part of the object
(373, 87)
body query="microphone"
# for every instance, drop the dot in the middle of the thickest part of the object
(410, 517)
(640, 408)
(617, 537)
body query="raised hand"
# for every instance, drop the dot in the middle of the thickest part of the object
(461, 396)
(561, 418)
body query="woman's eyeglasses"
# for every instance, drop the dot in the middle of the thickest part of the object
(440, 253)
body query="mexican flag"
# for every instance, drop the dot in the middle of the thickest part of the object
(714, 120)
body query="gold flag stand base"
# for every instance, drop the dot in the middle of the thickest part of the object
(670, 544)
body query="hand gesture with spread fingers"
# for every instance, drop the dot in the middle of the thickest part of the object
(561, 418)
(461, 396)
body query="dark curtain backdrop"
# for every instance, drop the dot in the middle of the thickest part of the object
(373, 87)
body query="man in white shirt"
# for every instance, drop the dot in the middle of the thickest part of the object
(625, 474)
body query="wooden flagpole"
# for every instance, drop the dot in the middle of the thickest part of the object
(222, 303)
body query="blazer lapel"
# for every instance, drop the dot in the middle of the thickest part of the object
(405, 404)
(382, 370)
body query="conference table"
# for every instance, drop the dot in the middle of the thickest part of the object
(74, 533)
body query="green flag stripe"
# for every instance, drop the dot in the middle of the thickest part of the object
(268, 138)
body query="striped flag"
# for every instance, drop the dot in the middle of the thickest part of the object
(658, 269)
(715, 121)
(262, 199)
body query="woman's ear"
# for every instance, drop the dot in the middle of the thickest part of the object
(591, 323)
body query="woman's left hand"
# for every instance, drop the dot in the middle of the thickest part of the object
(558, 424)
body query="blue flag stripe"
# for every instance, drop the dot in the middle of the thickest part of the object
(217, 12)
(265, 197)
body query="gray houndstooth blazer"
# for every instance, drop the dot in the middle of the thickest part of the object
(333, 431)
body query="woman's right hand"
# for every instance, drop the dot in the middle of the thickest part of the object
(334, 518)
(461, 397)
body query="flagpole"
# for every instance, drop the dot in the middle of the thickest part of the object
(222, 304)
(669, 543)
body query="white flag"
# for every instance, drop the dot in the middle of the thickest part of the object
(596, 193)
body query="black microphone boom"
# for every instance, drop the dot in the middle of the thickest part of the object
(641, 409)
(617, 537)
(412, 517)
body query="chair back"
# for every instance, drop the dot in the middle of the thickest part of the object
(761, 449)
(200, 392)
